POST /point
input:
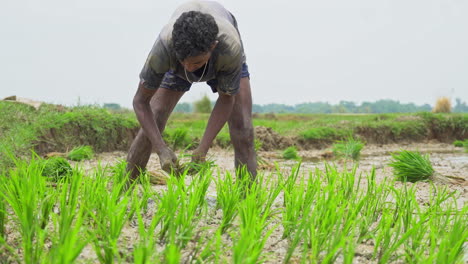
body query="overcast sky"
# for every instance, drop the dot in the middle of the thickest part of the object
(91, 51)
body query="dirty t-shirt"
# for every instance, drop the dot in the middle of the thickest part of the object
(226, 60)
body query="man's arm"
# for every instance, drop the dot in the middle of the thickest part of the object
(141, 105)
(219, 116)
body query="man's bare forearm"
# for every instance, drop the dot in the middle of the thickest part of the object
(219, 116)
(141, 105)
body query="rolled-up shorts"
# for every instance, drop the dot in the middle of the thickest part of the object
(175, 83)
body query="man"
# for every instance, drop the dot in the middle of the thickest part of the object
(201, 43)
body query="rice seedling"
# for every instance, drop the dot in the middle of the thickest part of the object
(411, 166)
(248, 243)
(3, 217)
(181, 207)
(81, 153)
(144, 251)
(461, 144)
(450, 247)
(348, 149)
(298, 198)
(26, 193)
(109, 211)
(290, 153)
(179, 138)
(70, 238)
(229, 194)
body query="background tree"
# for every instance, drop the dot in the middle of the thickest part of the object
(203, 105)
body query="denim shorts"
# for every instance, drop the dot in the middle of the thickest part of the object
(175, 83)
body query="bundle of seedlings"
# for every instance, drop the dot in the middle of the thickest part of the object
(412, 166)
(81, 153)
(290, 153)
(56, 168)
(461, 144)
(348, 149)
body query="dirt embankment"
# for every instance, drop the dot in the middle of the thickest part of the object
(73, 134)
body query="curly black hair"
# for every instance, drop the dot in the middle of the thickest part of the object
(193, 34)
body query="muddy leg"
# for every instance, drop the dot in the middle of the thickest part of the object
(162, 104)
(241, 129)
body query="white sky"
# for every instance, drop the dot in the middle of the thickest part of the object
(91, 51)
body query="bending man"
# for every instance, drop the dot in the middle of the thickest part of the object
(201, 43)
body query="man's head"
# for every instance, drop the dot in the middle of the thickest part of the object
(194, 37)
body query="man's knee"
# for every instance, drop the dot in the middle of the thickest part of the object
(243, 136)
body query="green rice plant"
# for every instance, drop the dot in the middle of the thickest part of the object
(290, 153)
(179, 138)
(248, 243)
(373, 203)
(223, 139)
(212, 253)
(172, 254)
(298, 198)
(144, 252)
(56, 168)
(109, 211)
(323, 232)
(411, 166)
(27, 194)
(461, 144)
(70, 238)
(229, 194)
(348, 149)
(450, 246)
(3, 216)
(81, 153)
(181, 207)
(413, 221)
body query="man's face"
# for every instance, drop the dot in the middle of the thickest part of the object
(194, 63)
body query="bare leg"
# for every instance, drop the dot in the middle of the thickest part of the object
(241, 129)
(162, 104)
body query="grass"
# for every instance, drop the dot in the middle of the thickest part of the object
(411, 166)
(315, 216)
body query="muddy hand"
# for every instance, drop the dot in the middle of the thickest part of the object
(198, 156)
(168, 160)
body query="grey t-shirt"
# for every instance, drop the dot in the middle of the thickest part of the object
(225, 63)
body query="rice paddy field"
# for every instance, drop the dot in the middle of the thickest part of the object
(334, 197)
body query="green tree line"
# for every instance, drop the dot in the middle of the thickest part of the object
(380, 106)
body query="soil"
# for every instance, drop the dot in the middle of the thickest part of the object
(446, 159)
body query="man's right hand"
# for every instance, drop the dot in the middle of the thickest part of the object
(168, 160)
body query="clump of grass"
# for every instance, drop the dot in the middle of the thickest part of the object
(443, 105)
(56, 168)
(348, 149)
(411, 166)
(81, 153)
(290, 153)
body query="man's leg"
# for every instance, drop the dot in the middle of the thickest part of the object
(241, 129)
(162, 104)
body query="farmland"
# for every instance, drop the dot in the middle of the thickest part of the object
(315, 209)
